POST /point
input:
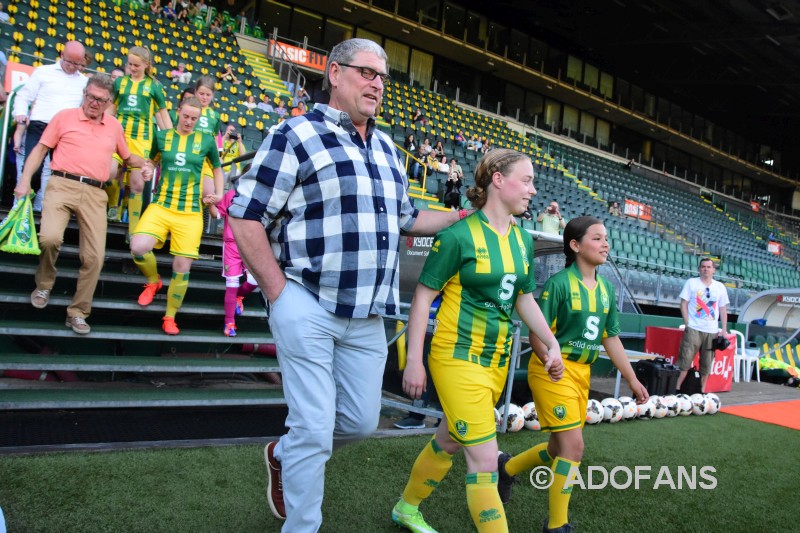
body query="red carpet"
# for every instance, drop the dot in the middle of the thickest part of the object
(786, 414)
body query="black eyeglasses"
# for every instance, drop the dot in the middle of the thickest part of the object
(368, 73)
(708, 292)
(95, 100)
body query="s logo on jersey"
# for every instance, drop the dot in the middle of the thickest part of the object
(507, 287)
(591, 330)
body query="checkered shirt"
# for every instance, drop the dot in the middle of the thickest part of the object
(333, 207)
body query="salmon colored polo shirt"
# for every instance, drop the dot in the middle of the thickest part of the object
(82, 146)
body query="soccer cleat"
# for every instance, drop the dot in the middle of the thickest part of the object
(169, 326)
(40, 298)
(149, 292)
(239, 309)
(505, 482)
(229, 330)
(565, 528)
(404, 515)
(274, 482)
(410, 422)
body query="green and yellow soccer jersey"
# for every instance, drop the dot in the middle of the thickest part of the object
(137, 102)
(580, 318)
(480, 273)
(180, 186)
(209, 122)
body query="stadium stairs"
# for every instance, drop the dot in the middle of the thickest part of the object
(127, 361)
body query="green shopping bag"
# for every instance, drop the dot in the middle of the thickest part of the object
(17, 231)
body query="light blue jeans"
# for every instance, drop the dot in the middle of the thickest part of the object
(332, 369)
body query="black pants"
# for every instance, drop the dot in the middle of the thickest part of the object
(32, 136)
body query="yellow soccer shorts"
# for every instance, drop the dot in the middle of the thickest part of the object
(138, 147)
(468, 393)
(560, 405)
(185, 229)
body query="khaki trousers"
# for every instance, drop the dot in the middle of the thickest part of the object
(65, 197)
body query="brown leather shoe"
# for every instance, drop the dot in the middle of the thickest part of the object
(274, 482)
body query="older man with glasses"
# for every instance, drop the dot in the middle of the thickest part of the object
(54, 88)
(704, 306)
(333, 193)
(83, 141)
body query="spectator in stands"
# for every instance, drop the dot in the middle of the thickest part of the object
(472, 144)
(551, 219)
(301, 96)
(281, 109)
(630, 164)
(704, 307)
(83, 140)
(614, 209)
(202, 8)
(265, 105)
(54, 88)
(418, 117)
(452, 193)
(479, 144)
(460, 140)
(438, 149)
(424, 151)
(216, 25)
(4, 17)
(410, 145)
(227, 74)
(155, 8)
(332, 343)
(299, 110)
(487, 146)
(177, 207)
(180, 74)
(232, 147)
(168, 12)
(250, 102)
(185, 9)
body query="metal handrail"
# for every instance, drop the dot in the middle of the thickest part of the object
(5, 122)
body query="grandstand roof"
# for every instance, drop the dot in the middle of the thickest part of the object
(731, 61)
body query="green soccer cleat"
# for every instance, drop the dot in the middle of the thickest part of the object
(409, 517)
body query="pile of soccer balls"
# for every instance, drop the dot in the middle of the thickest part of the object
(625, 408)
(613, 410)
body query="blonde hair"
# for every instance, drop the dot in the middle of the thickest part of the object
(144, 54)
(499, 160)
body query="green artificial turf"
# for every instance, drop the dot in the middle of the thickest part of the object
(222, 488)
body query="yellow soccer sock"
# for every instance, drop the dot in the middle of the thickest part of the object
(559, 492)
(176, 292)
(112, 190)
(484, 502)
(134, 211)
(531, 458)
(429, 469)
(147, 265)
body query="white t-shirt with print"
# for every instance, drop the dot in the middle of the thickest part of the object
(704, 303)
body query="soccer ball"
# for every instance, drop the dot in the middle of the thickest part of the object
(699, 405)
(629, 410)
(531, 418)
(645, 410)
(673, 409)
(594, 412)
(714, 403)
(660, 409)
(612, 410)
(516, 418)
(685, 404)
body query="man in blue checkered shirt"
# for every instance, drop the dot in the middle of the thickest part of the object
(332, 193)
